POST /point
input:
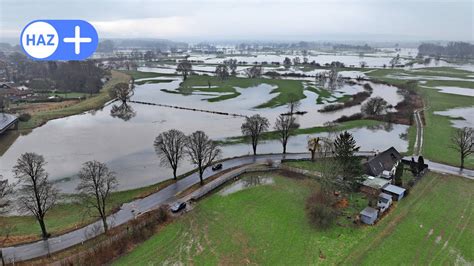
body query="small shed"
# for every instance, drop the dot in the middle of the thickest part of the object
(397, 192)
(373, 185)
(368, 215)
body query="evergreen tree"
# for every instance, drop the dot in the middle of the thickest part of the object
(350, 167)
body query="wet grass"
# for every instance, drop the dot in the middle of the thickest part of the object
(324, 96)
(307, 165)
(285, 89)
(67, 216)
(432, 226)
(258, 225)
(268, 225)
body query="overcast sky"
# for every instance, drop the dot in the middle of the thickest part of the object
(254, 20)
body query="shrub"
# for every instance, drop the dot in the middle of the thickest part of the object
(162, 215)
(356, 116)
(332, 107)
(24, 117)
(320, 211)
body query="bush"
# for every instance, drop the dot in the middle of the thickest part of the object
(344, 118)
(320, 211)
(162, 215)
(24, 117)
(332, 107)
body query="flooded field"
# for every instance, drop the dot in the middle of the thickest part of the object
(462, 117)
(68, 142)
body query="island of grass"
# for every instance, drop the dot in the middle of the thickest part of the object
(286, 90)
(267, 224)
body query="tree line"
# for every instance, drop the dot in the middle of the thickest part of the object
(461, 50)
(70, 76)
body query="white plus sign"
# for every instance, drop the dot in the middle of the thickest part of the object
(77, 40)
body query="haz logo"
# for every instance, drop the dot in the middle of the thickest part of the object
(59, 39)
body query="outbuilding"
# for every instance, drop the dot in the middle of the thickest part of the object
(368, 215)
(397, 192)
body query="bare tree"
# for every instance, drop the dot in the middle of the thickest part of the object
(330, 178)
(185, 68)
(202, 151)
(254, 72)
(232, 65)
(313, 146)
(5, 192)
(222, 72)
(287, 62)
(363, 64)
(169, 146)
(36, 194)
(122, 91)
(294, 104)
(253, 127)
(374, 106)
(462, 142)
(97, 183)
(285, 126)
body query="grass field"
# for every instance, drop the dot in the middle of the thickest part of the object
(267, 225)
(39, 118)
(66, 216)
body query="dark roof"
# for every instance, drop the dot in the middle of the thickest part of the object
(383, 161)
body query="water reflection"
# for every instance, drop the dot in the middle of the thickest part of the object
(123, 111)
(126, 145)
(246, 182)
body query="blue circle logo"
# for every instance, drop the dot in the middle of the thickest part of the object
(59, 39)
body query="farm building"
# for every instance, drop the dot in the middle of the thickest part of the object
(397, 192)
(384, 164)
(368, 215)
(373, 185)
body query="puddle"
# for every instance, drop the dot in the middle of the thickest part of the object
(246, 182)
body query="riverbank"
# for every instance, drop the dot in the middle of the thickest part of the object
(95, 102)
(336, 127)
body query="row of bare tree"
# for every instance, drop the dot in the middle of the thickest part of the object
(36, 194)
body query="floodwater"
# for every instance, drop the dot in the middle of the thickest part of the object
(466, 113)
(347, 58)
(127, 146)
(455, 90)
(245, 183)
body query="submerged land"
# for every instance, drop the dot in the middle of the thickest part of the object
(254, 225)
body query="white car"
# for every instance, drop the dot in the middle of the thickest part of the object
(384, 202)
